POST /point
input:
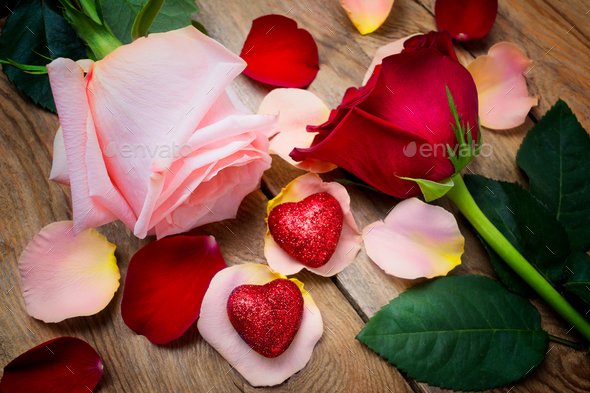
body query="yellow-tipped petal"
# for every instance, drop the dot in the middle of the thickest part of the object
(367, 15)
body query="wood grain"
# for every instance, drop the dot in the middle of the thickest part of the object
(28, 201)
(364, 284)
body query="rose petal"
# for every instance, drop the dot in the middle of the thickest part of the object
(61, 365)
(504, 100)
(349, 243)
(440, 41)
(280, 54)
(165, 284)
(64, 275)
(367, 15)
(199, 187)
(415, 240)
(69, 93)
(466, 19)
(393, 48)
(295, 110)
(59, 166)
(216, 328)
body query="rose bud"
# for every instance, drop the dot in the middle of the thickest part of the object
(416, 118)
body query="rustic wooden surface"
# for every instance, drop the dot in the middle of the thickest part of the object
(554, 33)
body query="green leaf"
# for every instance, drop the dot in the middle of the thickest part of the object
(525, 222)
(120, 14)
(33, 35)
(459, 332)
(578, 281)
(554, 156)
(145, 18)
(432, 190)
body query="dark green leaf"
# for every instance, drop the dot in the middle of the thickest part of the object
(525, 222)
(33, 35)
(578, 281)
(555, 155)
(461, 332)
(120, 14)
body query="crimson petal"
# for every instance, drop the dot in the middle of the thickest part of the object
(61, 365)
(280, 54)
(466, 20)
(165, 284)
(439, 40)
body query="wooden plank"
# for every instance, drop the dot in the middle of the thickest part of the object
(555, 36)
(29, 201)
(342, 49)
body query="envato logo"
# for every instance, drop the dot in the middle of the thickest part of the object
(127, 150)
(428, 150)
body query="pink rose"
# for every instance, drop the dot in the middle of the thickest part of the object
(153, 136)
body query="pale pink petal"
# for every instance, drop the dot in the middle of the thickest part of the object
(68, 88)
(393, 48)
(64, 275)
(199, 187)
(499, 76)
(216, 328)
(367, 15)
(145, 108)
(415, 240)
(85, 64)
(350, 240)
(59, 166)
(295, 109)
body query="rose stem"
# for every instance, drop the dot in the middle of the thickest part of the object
(567, 343)
(461, 197)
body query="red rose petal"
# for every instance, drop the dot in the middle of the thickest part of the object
(280, 54)
(466, 20)
(439, 40)
(61, 365)
(165, 284)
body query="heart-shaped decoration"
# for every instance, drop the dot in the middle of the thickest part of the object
(308, 230)
(268, 316)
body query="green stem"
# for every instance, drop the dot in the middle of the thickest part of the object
(567, 343)
(91, 30)
(461, 197)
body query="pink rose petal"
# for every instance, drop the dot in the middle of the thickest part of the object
(59, 166)
(415, 240)
(367, 15)
(69, 92)
(216, 328)
(349, 243)
(504, 100)
(295, 109)
(64, 275)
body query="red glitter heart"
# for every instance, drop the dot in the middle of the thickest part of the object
(308, 230)
(268, 316)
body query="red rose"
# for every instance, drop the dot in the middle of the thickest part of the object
(399, 124)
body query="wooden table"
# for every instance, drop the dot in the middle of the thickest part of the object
(554, 33)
